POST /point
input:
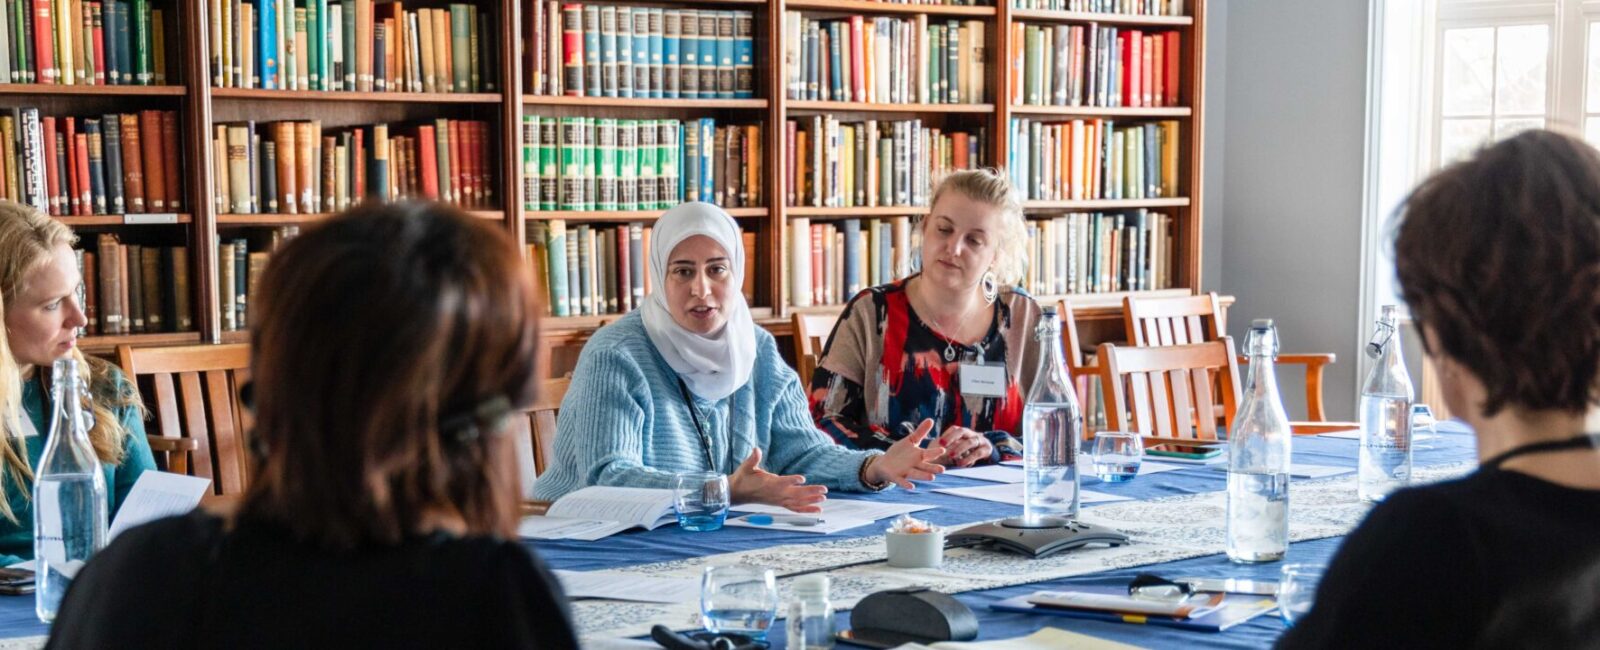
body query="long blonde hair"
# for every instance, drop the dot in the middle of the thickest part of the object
(992, 187)
(27, 239)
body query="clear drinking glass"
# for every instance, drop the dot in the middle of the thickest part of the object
(702, 500)
(1117, 456)
(1298, 590)
(738, 598)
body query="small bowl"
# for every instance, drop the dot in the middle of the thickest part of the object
(915, 550)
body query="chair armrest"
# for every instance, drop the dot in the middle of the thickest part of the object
(163, 444)
(535, 507)
(1314, 363)
(1308, 358)
(1314, 428)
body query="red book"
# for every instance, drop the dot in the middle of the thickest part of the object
(71, 183)
(816, 265)
(429, 162)
(1173, 49)
(571, 51)
(171, 157)
(469, 162)
(858, 63)
(80, 151)
(457, 179)
(1156, 66)
(132, 163)
(482, 164)
(99, 39)
(1131, 63)
(51, 179)
(44, 57)
(155, 185)
(958, 142)
(788, 162)
(359, 174)
(624, 289)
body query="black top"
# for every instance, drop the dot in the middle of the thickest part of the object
(1432, 566)
(183, 582)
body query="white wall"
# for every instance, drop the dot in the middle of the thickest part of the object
(1285, 104)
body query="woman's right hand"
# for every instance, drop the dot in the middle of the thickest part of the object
(751, 484)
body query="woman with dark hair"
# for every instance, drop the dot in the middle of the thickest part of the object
(392, 346)
(1498, 258)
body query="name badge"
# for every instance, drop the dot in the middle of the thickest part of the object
(983, 380)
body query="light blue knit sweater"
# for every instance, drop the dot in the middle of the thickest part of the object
(624, 421)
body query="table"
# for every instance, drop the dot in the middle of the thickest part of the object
(1455, 444)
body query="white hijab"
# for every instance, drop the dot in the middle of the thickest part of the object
(717, 365)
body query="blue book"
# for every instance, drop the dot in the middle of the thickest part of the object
(556, 253)
(836, 60)
(744, 50)
(591, 51)
(726, 70)
(314, 48)
(125, 42)
(108, 26)
(608, 52)
(655, 54)
(708, 176)
(1235, 609)
(267, 68)
(708, 53)
(689, 54)
(625, 51)
(671, 32)
(347, 14)
(886, 251)
(852, 257)
(586, 271)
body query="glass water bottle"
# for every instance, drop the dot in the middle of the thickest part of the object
(1258, 458)
(1052, 424)
(1385, 415)
(69, 494)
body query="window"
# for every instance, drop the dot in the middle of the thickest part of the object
(1493, 82)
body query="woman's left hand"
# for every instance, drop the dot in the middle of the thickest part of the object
(964, 447)
(907, 461)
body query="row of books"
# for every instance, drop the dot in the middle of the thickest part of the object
(78, 42)
(1093, 65)
(586, 163)
(351, 45)
(598, 269)
(587, 50)
(1094, 159)
(297, 168)
(116, 163)
(828, 263)
(884, 59)
(1134, 7)
(133, 289)
(1099, 252)
(239, 269)
(872, 163)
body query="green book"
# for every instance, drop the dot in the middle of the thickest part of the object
(549, 174)
(347, 15)
(605, 164)
(461, 46)
(591, 180)
(1034, 66)
(628, 165)
(314, 46)
(530, 162)
(441, 135)
(141, 42)
(667, 162)
(571, 194)
(474, 67)
(648, 170)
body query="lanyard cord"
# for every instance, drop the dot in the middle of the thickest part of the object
(694, 414)
(1581, 441)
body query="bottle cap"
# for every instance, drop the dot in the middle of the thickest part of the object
(811, 585)
(1261, 323)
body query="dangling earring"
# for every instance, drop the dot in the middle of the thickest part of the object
(991, 288)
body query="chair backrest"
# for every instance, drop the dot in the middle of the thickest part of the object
(1173, 321)
(810, 336)
(193, 391)
(1076, 364)
(543, 419)
(1168, 391)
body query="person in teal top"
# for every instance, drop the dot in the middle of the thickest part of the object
(39, 279)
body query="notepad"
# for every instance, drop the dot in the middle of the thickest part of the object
(156, 495)
(599, 511)
(1234, 609)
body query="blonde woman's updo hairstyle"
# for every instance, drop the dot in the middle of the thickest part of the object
(991, 186)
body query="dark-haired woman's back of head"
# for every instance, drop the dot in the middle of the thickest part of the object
(392, 345)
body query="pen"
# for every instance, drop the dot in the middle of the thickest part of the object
(792, 520)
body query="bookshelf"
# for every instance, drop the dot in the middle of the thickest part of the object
(200, 104)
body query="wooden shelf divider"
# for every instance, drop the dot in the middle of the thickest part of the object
(875, 7)
(83, 90)
(1131, 20)
(259, 94)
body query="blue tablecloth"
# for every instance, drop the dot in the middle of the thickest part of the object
(1454, 444)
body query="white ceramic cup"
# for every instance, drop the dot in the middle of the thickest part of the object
(915, 550)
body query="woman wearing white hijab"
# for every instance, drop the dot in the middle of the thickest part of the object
(689, 383)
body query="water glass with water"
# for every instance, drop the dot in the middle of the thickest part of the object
(1117, 456)
(701, 500)
(738, 599)
(1297, 590)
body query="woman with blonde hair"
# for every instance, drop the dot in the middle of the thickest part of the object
(39, 282)
(896, 359)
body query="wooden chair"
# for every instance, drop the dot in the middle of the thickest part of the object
(542, 420)
(1168, 390)
(1082, 368)
(1196, 319)
(810, 336)
(193, 391)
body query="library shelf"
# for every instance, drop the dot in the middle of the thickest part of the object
(1102, 18)
(254, 94)
(234, 219)
(819, 106)
(1103, 111)
(125, 219)
(851, 213)
(105, 344)
(588, 102)
(101, 89)
(624, 215)
(873, 7)
(1108, 204)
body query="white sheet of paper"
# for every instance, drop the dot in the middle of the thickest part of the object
(646, 508)
(156, 495)
(568, 528)
(1355, 434)
(1012, 493)
(843, 509)
(1304, 470)
(829, 525)
(628, 586)
(1008, 473)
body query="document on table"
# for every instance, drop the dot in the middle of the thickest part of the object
(646, 508)
(628, 586)
(843, 509)
(156, 495)
(1355, 434)
(1008, 473)
(1303, 470)
(1012, 493)
(828, 525)
(588, 530)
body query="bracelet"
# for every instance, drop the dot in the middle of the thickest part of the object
(862, 475)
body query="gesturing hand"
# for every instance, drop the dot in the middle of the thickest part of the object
(964, 447)
(751, 484)
(906, 460)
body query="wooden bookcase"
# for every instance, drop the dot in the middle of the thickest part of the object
(199, 105)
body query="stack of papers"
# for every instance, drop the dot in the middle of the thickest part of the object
(1011, 493)
(597, 512)
(836, 515)
(1012, 472)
